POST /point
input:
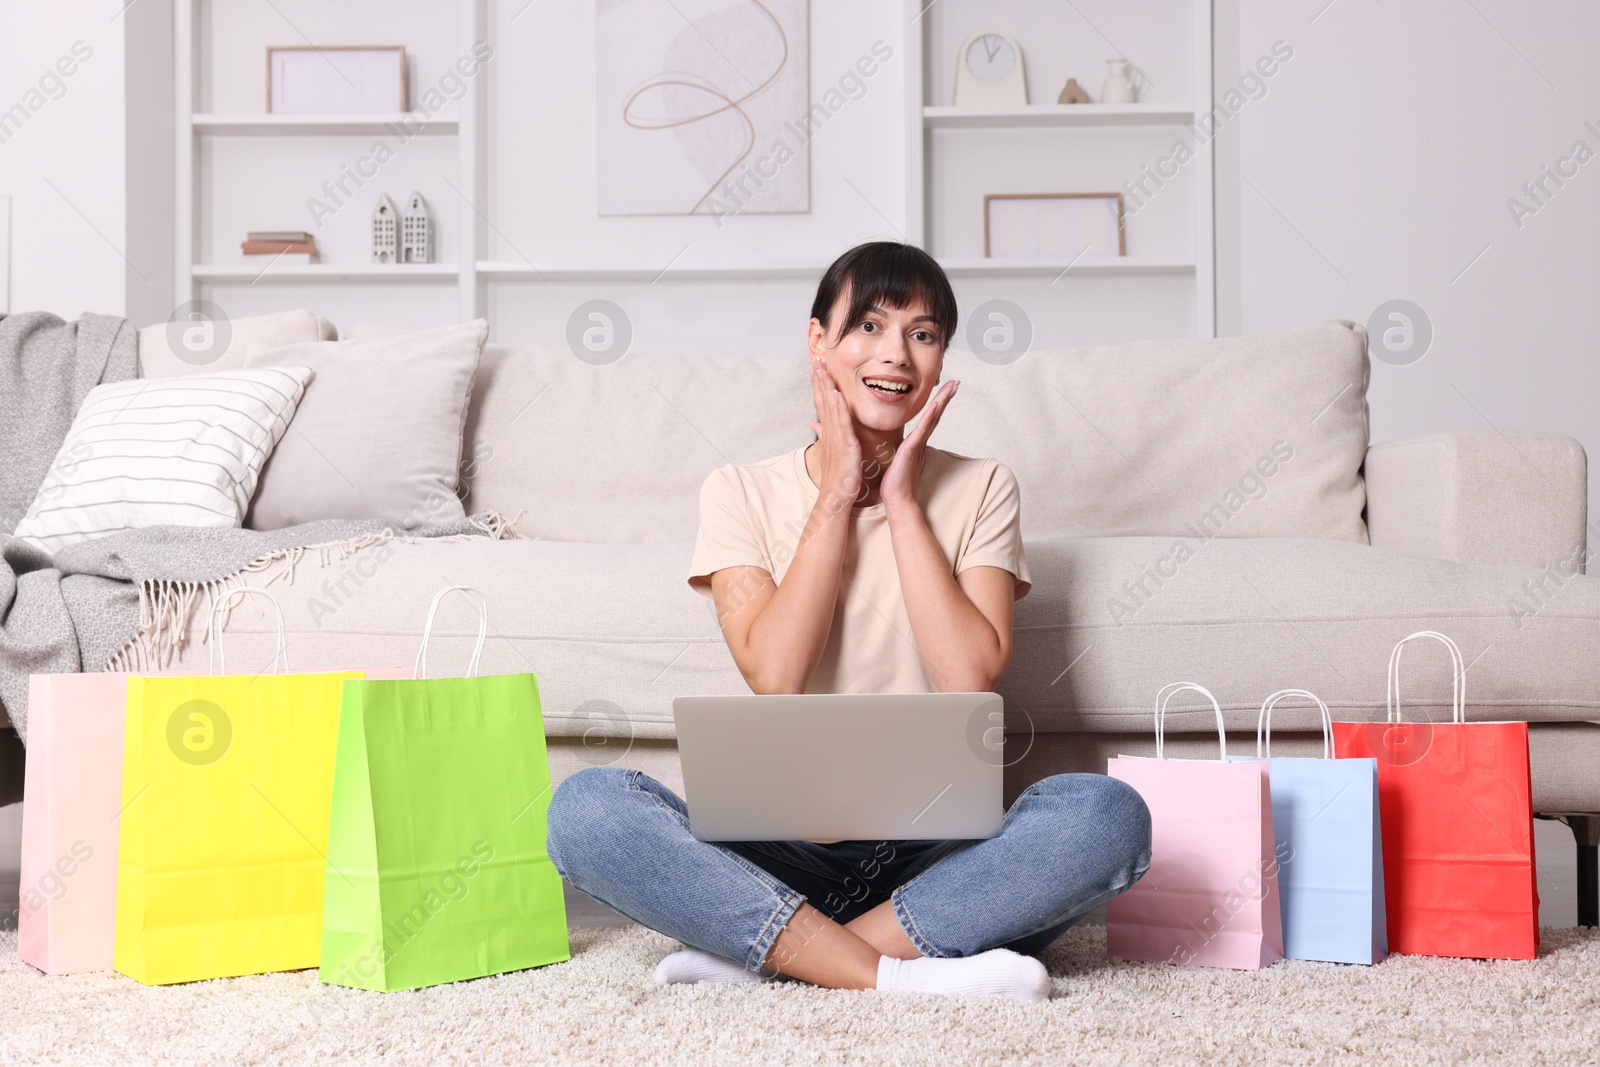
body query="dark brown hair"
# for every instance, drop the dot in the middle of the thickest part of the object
(886, 274)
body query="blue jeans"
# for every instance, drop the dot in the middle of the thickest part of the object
(1069, 844)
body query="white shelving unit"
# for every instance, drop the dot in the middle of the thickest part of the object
(193, 125)
(1166, 271)
(926, 120)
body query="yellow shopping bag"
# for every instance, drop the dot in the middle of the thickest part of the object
(226, 787)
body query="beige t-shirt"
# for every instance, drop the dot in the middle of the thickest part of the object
(753, 515)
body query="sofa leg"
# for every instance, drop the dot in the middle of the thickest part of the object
(1585, 827)
(12, 758)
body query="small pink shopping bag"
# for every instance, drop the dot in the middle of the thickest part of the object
(1210, 897)
(72, 797)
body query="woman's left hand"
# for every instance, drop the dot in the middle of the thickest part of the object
(900, 481)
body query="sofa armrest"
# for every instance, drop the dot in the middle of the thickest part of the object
(1481, 496)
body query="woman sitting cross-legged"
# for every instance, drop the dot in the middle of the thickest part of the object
(901, 579)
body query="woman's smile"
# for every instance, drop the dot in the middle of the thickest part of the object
(889, 389)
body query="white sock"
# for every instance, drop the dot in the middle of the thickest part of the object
(998, 971)
(692, 965)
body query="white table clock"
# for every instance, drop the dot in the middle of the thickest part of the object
(989, 72)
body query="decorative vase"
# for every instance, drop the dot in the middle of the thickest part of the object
(1072, 93)
(1119, 86)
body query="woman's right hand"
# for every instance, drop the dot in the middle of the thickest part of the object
(836, 432)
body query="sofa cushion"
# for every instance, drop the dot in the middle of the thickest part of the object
(170, 350)
(1242, 437)
(372, 331)
(614, 633)
(181, 452)
(378, 435)
(1239, 436)
(618, 452)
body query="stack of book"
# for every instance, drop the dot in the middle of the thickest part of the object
(284, 246)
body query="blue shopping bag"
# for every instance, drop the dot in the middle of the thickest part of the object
(1329, 847)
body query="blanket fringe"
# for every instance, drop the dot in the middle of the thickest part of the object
(166, 606)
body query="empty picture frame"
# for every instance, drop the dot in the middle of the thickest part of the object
(1057, 226)
(343, 80)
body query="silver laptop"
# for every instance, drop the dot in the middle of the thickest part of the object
(824, 767)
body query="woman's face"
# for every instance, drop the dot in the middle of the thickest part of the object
(887, 366)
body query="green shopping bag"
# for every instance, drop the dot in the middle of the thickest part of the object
(437, 869)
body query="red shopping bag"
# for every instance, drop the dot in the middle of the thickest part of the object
(1456, 803)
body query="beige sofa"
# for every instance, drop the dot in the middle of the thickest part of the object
(1192, 510)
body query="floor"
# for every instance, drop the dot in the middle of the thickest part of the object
(601, 1007)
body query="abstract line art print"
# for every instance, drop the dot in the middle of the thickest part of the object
(701, 106)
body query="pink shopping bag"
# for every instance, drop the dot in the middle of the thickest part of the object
(71, 794)
(1210, 897)
(72, 797)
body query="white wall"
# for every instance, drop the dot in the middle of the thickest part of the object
(63, 167)
(76, 246)
(1378, 166)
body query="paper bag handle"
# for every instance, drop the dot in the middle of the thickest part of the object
(420, 668)
(1458, 681)
(216, 662)
(1172, 689)
(1264, 723)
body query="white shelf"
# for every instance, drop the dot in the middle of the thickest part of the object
(512, 271)
(326, 272)
(1081, 268)
(1057, 115)
(493, 270)
(248, 125)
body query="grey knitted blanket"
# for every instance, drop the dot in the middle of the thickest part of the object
(123, 601)
(120, 602)
(47, 367)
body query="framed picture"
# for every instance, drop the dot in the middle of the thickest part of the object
(700, 107)
(346, 80)
(1053, 226)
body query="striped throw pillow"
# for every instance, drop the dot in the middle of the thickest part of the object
(164, 452)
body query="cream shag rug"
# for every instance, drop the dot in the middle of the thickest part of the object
(601, 1008)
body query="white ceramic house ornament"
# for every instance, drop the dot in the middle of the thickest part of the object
(414, 246)
(385, 232)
